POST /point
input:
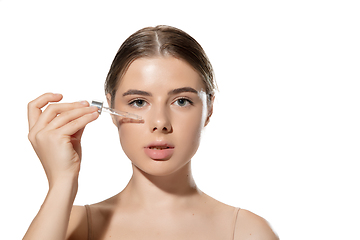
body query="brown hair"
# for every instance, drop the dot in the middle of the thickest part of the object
(160, 41)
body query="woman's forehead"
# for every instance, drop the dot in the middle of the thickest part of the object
(160, 73)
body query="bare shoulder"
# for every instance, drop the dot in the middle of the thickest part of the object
(253, 227)
(77, 228)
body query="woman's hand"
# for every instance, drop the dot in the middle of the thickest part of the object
(56, 132)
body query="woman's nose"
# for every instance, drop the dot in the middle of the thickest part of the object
(160, 121)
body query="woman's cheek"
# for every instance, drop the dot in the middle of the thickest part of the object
(189, 131)
(129, 139)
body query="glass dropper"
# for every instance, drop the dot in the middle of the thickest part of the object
(101, 108)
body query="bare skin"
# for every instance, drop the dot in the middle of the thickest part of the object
(55, 135)
(161, 200)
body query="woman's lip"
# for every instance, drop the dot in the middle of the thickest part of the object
(159, 154)
(160, 144)
(159, 150)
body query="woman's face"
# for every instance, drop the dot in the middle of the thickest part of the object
(169, 95)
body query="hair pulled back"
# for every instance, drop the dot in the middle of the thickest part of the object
(160, 41)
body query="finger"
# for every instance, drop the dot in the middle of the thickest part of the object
(34, 107)
(74, 126)
(53, 110)
(69, 116)
(78, 134)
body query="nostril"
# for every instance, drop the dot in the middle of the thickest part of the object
(164, 129)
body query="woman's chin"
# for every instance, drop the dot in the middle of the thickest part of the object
(159, 168)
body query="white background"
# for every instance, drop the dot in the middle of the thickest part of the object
(284, 138)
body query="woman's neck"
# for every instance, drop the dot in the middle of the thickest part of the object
(160, 191)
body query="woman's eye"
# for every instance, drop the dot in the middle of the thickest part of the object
(183, 102)
(138, 103)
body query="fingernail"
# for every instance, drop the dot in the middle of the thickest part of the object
(85, 103)
(94, 108)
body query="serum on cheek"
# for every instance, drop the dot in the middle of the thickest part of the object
(101, 108)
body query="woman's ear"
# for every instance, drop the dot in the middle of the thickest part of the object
(210, 110)
(108, 98)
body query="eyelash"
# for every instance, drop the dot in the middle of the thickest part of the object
(133, 102)
(185, 99)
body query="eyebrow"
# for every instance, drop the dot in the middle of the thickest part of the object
(181, 90)
(172, 92)
(136, 92)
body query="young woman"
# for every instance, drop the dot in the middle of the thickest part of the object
(163, 75)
